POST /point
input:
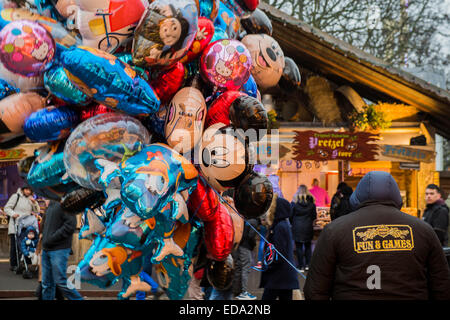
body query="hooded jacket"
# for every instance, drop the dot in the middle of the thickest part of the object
(377, 251)
(58, 229)
(21, 205)
(436, 215)
(303, 215)
(280, 274)
(340, 203)
(27, 245)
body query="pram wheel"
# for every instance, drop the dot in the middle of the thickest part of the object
(27, 275)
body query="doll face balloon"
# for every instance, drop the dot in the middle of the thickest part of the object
(226, 64)
(185, 119)
(165, 33)
(267, 57)
(26, 48)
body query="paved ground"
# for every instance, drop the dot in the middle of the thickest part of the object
(9, 281)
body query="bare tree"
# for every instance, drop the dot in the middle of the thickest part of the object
(401, 32)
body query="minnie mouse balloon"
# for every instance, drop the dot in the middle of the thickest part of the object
(50, 124)
(226, 64)
(165, 33)
(26, 48)
(267, 57)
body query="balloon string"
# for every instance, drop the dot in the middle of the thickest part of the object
(257, 232)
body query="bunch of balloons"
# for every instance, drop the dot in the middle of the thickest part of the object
(139, 103)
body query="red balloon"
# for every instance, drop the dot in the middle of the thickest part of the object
(168, 82)
(204, 35)
(203, 202)
(94, 110)
(251, 4)
(220, 109)
(219, 234)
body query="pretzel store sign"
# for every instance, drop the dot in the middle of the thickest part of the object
(330, 145)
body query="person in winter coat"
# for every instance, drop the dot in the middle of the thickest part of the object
(340, 203)
(303, 215)
(57, 233)
(436, 213)
(29, 243)
(19, 205)
(377, 251)
(280, 278)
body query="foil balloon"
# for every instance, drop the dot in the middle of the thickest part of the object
(227, 21)
(111, 136)
(226, 64)
(267, 57)
(225, 158)
(253, 196)
(156, 122)
(107, 24)
(94, 110)
(174, 274)
(15, 108)
(208, 9)
(85, 270)
(165, 33)
(93, 223)
(50, 124)
(6, 89)
(219, 34)
(109, 81)
(257, 23)
(248, 113)
(24, 165)
(185, 119)
(219, 234)
(219, 111)
(203, 37)
(220, 274)
(203, 202)
(47, 176)
(26, 48)
(11, 140)
(168, 82)
(151, 178)
(250, 87)
(78, 200)
(56, 29)
(238, 222)
(22, 83)
(57, 82)
(237, 7)
(290, 79)
(128, 59)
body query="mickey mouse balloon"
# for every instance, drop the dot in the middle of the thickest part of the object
(268, 59)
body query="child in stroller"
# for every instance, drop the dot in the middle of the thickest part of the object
(27, 239)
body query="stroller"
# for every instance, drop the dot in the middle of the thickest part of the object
(24, 267)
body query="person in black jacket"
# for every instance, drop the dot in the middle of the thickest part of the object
(377, 251)
(280, 278)
(303, 215)
(436, 213)
(58, 229)
(244, 260)
(340, 203)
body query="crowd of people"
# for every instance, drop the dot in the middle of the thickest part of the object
(367, 232)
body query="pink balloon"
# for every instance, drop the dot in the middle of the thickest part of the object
(226, 64)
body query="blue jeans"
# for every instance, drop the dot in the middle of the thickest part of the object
(54, 268)
(263, 232)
